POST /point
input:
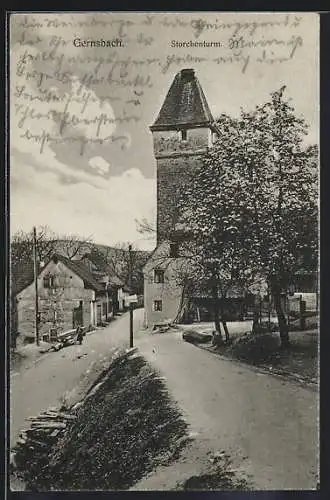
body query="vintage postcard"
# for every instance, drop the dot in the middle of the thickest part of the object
(164, 301)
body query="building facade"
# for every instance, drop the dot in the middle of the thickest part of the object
(164, 298)
(182, 133)
(68, 296)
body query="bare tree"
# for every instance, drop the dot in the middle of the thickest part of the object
(73, 246)
(48, 243)
(22, 245)
(146, 227)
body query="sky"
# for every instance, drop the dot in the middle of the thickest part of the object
(81, 149)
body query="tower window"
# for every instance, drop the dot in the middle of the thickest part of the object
(183, 135)
(158, 276)
(158, 305)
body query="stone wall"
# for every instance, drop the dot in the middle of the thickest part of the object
(177, 160)
(170, 141)
(172, 175)
(55, 304)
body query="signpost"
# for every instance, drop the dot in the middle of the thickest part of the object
(131, 299)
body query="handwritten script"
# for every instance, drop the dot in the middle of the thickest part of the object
(69, 87)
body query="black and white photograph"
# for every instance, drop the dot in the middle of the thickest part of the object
(163, 329)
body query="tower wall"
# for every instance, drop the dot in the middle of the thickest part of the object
(177, 161)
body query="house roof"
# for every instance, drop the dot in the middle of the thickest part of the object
(82, 271)
(185, 104)
(103, 268)
(23, 275)
(97, 260)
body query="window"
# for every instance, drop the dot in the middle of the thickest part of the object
(158, 305)
(158, 276)
(183, 135)
(49, 281)
(174, 250)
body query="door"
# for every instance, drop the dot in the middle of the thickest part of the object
(99, 314)
(77, 315)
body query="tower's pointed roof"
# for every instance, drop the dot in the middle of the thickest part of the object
(184, 105)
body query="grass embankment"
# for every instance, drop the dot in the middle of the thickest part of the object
(127, 426)
(298, 361)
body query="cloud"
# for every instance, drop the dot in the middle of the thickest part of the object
(99, 164)
(46, 191)
(70, 112)
(108, 214)
(89, 111)
(30, 149)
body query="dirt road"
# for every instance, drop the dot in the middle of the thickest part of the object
(44, 383)
(267, 425)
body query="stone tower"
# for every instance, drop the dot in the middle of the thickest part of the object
(181, 133)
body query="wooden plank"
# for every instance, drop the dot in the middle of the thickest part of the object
(67, 416)
(43, 444)
(44, 425)
(41, 418)
(55, 432)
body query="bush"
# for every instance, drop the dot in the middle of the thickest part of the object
(196, 337)
(217, 340)
(255, 348)
(265, 327)
(28, 339)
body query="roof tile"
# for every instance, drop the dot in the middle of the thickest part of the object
(184, 105)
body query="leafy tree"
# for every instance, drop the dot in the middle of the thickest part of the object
(218, 261)
(252, 207)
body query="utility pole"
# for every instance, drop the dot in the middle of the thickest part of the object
(35, 269)
(130, 302)
(107, 304)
